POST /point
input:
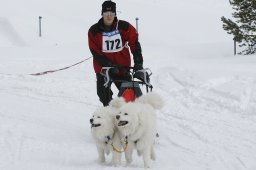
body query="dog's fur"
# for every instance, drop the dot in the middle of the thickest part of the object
(137, 121)
(105, 133)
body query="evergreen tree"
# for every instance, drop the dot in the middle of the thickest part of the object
(244, 26)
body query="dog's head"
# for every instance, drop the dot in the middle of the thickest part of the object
(127, 117)
(96, 120)
(102, 117)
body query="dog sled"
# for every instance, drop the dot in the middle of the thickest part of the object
(129, 90)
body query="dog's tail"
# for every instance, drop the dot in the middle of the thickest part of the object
(117, 102)
(152, 99)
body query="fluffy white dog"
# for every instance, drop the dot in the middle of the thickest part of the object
(105, 134)
(137, 122)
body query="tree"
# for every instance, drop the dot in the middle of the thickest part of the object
(244, 26)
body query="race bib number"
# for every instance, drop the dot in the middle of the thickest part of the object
(111, 42)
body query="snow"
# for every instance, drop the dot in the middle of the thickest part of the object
(209, 119)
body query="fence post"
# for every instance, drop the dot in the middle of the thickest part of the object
(137, 24)
(40, 26)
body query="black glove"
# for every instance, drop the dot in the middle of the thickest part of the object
(115, 69)
(144, 77)
(137, 66)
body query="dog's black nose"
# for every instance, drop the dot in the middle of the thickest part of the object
(117, 117)
(91, 121)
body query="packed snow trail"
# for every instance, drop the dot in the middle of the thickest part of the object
(203, 124)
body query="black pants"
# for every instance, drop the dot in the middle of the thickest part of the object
(105, 94)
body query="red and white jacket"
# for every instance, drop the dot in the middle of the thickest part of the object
(121, 57)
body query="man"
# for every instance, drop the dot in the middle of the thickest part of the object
(109, 43)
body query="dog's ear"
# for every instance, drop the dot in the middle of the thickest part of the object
(152, 99)
(117, 102)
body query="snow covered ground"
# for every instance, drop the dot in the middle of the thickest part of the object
(208, 122)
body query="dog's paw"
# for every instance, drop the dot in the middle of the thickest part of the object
(116, 163)
(128, 160)
(147, 165)
(153, 156)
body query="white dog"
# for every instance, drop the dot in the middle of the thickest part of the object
(137, 121)
(105, 134)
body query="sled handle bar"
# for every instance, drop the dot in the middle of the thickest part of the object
(108, 79)
(107, 69)
(105, 72)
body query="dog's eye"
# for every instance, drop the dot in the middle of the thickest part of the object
(98, 117)
(119, 113)
(126, 114)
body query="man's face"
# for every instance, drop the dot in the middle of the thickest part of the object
(108, 17)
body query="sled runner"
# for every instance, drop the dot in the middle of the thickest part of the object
(129, 90)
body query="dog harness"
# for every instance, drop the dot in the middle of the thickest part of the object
(108, 140)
